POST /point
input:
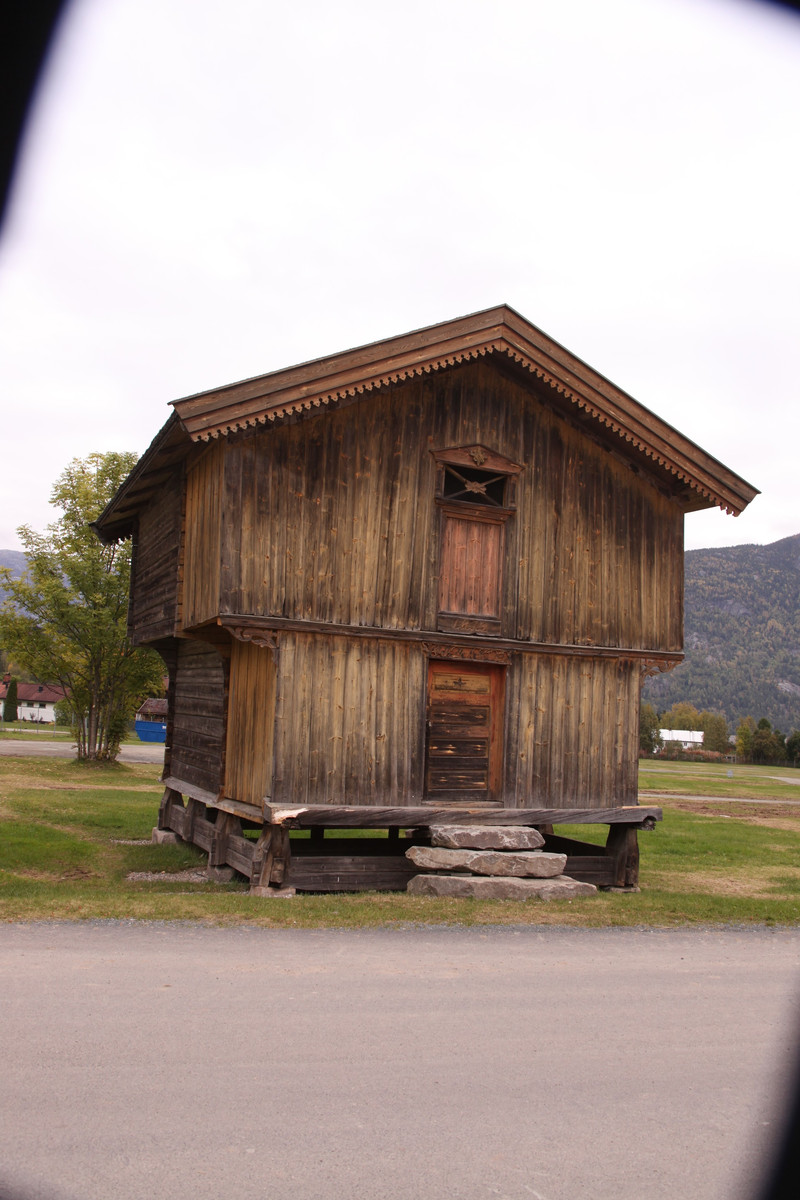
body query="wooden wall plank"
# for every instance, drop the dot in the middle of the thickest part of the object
(348, 727)
(198, 720)
(576, 728)
(154, 583)
(251, 723)
(201, 584)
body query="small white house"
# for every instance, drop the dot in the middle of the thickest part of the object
(687, 739)
(35, 701)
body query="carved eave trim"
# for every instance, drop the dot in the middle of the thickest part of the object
(655, 666)
(496, 331)
(478, 456)
(467, 653)
(256, 636)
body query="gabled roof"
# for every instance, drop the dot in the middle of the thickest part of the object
(500, 333)
(43, 693)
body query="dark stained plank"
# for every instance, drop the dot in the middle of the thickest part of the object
(197, 741)
(350, 873)
(152, 610)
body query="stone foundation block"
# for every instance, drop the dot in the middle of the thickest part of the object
(534, 864)
(486, 837)
(471, 887)
(273, 893)
(165, 837)
(220, 874)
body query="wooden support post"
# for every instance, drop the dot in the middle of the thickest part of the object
(261, 867)
(195, 811)
(282, 857)
(169, 798)
(272, 858)
(623, 846)
(226, 826)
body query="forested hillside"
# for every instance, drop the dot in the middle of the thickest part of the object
(742, 635)
(16, 560)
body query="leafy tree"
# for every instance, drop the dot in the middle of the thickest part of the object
(766, 747)
(10, 702)
(649, 737)
(744, 738)
(764, 724)
(715, 732)
(793, 745)
(682, 715)
(65, 619)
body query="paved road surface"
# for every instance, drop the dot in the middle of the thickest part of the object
(161, 1061)
(148, 752)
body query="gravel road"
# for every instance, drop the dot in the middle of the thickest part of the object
(175, 1061)
(147, 752)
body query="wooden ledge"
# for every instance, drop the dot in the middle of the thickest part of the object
(367, 816)
(371, 816)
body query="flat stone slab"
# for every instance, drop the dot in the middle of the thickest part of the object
(486, 837)
(534, 864)
(474, 887)
(165, 837)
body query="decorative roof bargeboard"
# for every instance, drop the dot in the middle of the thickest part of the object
(283, 393)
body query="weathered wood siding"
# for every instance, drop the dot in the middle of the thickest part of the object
(154, 574)
(251, 723)
(333, 518)
(350, 721)
(350, 726)
(198, 720)
(202, 544)
(572, 731)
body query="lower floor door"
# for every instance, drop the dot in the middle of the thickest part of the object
(464, 742)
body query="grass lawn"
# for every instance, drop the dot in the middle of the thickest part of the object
(46, 733)
(42, 733)
(63, 829)
(717, 779)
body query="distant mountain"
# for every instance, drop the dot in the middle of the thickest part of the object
(742, 620)
(16, 560)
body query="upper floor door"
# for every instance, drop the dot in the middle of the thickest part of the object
(475, 493)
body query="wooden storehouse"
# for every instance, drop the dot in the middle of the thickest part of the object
(427, 576)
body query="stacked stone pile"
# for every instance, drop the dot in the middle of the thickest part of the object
(491, 862)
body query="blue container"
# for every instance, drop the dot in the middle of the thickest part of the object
(151, 731)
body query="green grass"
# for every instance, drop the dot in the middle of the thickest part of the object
(60, 823)
(12, 733)
(70, 774)
(712, 779)
(30, 846)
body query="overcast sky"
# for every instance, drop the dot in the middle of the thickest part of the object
(214, 190)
